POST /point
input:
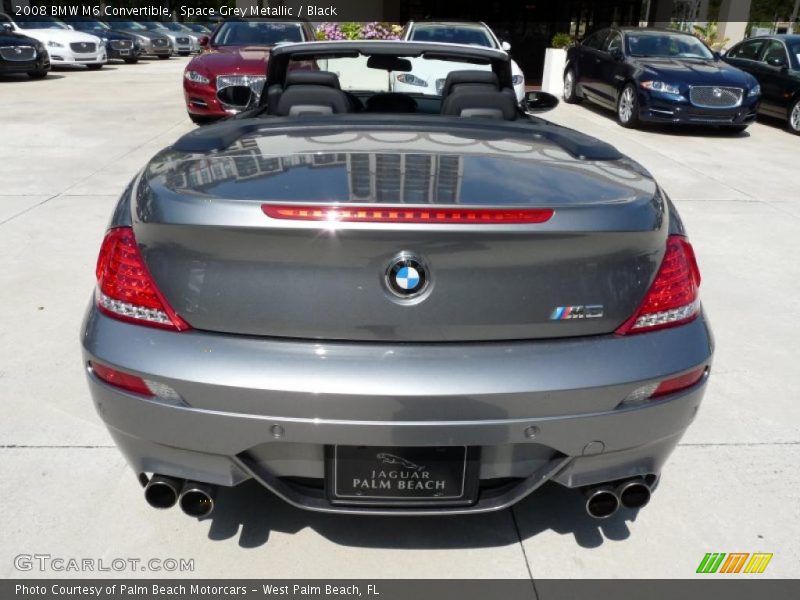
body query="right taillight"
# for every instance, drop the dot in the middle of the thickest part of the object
(125, 288)
(673, 297)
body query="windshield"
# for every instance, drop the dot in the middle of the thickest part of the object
(666, 45)
(453, 34)
(198, 28)
(130, 25)
(257, 33)
(40, 23)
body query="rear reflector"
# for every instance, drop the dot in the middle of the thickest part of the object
(673, 297)
(125, 288)
(676, 384)
(118, 379)
(403, 214)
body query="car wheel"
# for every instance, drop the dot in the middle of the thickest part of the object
(794, 117)
(628, 107)
(163, 57)
(94, 67)
(131, 61)
(37, 74)
(570, 95)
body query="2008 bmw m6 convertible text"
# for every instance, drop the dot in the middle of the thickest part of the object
(384, 303)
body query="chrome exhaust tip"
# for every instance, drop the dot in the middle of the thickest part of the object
(634, 494)
(601, 503)
(197, 499)
(162, 491)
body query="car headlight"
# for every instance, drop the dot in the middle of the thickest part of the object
(517, 80)
(754, 91)
(52, 44)
(412, 80)
(196, 77)
(660, 86)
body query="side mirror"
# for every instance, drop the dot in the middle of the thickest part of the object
(505, 46)
(717, 56)
(203, 41)
(617, 54)
(538, 102)
(776, 61)
(7, 26)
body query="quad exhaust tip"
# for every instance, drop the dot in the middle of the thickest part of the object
(197, 499)
(162, 492)
(634, 494)
(602, 503)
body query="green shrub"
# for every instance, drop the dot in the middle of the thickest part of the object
(562, 40)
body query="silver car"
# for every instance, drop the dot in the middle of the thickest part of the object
(384, 303)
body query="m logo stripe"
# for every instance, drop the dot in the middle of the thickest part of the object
(734, 562)
(711, 562)
(758, 562)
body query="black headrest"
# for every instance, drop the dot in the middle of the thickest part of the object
(325, 78)
(484, 103)
(482, 78)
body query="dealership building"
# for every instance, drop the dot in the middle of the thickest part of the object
(529, 25)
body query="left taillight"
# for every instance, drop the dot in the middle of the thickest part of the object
(125, 288)
(122, 380)
(673, 298)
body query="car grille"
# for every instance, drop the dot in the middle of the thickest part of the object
(716, 97)
(439, 86)
(83, 47)
(183, 40)
(18, 53)
(233, 99)
(121, 44)
(160, 42)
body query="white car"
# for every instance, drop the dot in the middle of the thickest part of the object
(64, 45)
(427, 76)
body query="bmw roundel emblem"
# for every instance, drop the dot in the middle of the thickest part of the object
(406, 276)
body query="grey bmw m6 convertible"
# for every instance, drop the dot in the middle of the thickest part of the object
(377, 302)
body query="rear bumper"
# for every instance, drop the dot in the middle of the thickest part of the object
(665, 108)
(266, 409)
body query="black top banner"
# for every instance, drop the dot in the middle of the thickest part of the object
(205, 10)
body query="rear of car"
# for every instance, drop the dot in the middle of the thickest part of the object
(396, 318)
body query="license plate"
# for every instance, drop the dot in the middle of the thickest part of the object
(390, 475)
(124, 52)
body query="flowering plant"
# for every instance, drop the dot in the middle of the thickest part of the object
(358, 31)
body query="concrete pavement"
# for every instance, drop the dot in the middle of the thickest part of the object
(71, 143)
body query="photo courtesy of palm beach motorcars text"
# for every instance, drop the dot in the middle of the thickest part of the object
(399, 299)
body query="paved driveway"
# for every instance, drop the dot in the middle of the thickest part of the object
(68, 146)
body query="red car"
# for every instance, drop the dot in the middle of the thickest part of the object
(229, 75)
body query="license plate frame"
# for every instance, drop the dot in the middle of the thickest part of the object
(402, 475)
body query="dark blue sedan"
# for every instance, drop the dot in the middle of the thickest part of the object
(659, 76)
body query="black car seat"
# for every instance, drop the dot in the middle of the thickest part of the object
(311, 93)
(477, 94)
